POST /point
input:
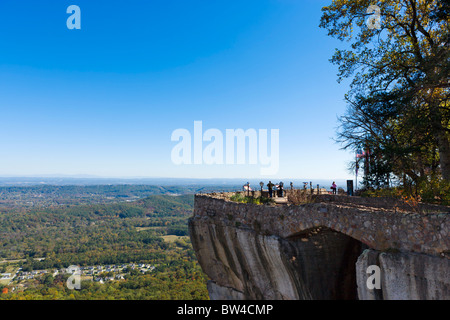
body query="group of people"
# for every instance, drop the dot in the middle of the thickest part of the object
(279, 188)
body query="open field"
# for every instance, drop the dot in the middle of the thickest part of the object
(173, 238)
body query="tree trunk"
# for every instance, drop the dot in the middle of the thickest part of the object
(442, 140)
(444, 155)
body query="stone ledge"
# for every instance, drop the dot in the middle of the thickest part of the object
(379, 228)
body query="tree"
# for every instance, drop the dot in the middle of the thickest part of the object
(399, 94)
(47, 279)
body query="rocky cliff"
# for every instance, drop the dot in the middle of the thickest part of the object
(320, 250)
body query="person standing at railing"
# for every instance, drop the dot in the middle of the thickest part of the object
(270, 186)
(333, 187)
(280, 189)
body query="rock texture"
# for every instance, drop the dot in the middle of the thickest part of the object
(316, 251)
(319, 264)
(405, 276)
(380, 227)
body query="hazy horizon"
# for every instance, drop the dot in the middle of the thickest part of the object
(234, 182)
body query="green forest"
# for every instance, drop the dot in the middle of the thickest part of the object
(103, 234)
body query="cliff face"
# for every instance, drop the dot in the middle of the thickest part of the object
(246, 260)
(248, 265)
(404, 276)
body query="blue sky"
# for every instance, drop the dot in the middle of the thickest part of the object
(104, 100)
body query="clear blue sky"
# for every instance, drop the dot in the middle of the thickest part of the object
(104, 100)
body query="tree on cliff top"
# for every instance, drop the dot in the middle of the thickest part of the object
(398, 102)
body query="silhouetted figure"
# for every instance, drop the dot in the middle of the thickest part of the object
(280, 189)
(270, 186)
